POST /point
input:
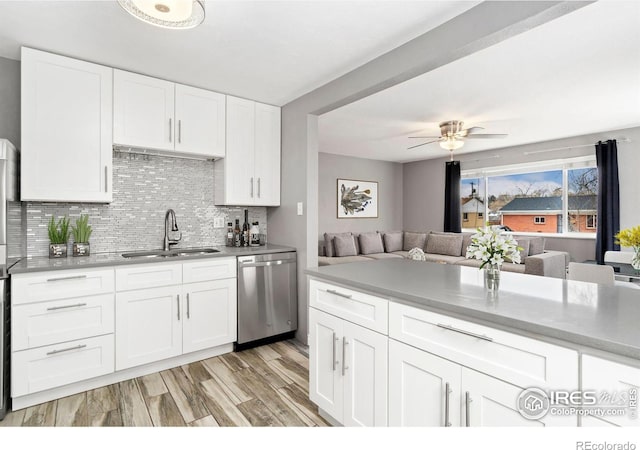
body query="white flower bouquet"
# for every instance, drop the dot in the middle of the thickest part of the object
(492, 246)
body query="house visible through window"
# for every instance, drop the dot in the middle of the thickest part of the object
(543, 197)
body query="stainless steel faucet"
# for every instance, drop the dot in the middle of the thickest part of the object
(170, 215)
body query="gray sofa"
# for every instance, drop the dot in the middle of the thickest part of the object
(448, 248)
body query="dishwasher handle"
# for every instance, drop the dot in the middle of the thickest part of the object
(267, 263)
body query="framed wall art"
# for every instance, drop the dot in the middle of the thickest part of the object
(357, 199)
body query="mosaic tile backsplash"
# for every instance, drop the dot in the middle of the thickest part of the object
(144, 187)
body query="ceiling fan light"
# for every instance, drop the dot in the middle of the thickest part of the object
(173, 14)
(451, 144)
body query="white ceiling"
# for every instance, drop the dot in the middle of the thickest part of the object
(576, 75)
(271, 51)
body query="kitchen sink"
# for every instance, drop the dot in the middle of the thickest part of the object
(170, 253)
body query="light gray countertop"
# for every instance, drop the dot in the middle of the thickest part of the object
(44, 263)
(587, 314)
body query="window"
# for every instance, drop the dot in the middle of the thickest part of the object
(543, 197)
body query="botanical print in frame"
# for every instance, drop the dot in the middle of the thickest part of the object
(357, 199)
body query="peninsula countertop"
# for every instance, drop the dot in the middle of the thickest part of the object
(602, 317)
(44, 263)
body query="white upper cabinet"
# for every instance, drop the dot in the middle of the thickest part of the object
(143, 111)
(250, 172)
(66, 129)
(157, 114)
(200, 122)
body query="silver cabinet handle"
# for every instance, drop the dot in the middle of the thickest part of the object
(468, 333)
(178, 302)
(467, 402)
(77, 347)
(75, 277)
(170, 127)
(251, 181)
(179, 131)
(334, 362)
(339, 294)
(447, 391)
(344, 357)
(258, 187)
(55, 308)
(188, 307)
(106, 179)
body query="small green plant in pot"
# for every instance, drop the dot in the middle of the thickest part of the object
(58, 237)
(81, 234)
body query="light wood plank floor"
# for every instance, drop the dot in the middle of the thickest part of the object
(264, 386)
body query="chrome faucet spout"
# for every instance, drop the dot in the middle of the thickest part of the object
(170, 216)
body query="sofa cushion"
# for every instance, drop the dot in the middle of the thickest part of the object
(383, 256)
(344, 246)
(524, 243)
(443, 259)
(536, 246)
(327, 261)
(329, 249)
(403, 253)
(444, 244)
(518, 268)
(469, 262)
(392, 241)
(371, 243)
(413, 240)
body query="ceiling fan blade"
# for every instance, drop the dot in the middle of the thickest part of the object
(486, 136)
(471, 130)
(424, 137)
(424, 143)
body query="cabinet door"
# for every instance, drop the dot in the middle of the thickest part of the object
(148, 326)
(364, 357)
(489, 402)
(325, 370)
(200, 122)
(66, 129)
(209, 314)
(267, 155)
(143, 109)
(240, 183)
(418, 384)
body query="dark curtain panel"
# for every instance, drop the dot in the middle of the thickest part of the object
(608, 198)
(452, 215)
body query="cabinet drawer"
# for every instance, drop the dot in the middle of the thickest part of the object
(613, 379)
(60, 284)
(522, 361)
(38, 324)
(357, 307)
(148, 276)
(48, 367)
(209, 270)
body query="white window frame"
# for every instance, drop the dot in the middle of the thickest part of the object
(465, 217)
(541, 166)
(595, 222)
(539, 220)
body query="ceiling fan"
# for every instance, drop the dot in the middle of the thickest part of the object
(452, 135)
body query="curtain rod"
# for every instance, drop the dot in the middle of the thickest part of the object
(570, 147)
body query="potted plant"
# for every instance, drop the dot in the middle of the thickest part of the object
(58, 237)
(630, 237)
(81, 234)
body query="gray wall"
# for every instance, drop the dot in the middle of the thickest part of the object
(480, 27)
(144, 187)
(10, 100)
(389, 178)
(424, 182)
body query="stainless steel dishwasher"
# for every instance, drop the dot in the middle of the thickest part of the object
(267, 298)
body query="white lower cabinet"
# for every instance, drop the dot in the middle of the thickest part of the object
(347, 370)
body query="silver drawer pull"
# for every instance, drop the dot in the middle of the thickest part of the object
(468, 333)
(77, 305)
(447, 391)
(339, 294)
(77, 347)
(75, 277)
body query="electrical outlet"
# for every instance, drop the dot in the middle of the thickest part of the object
(300, 210)
(218, 222)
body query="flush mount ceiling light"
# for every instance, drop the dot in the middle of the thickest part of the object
(174, 14)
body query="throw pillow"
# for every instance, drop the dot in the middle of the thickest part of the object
(329, 249)
(523, 242)
(344, 245)
(445, 244)
(413, 240)
(371, 243)
(392, 241)
(536, 246)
